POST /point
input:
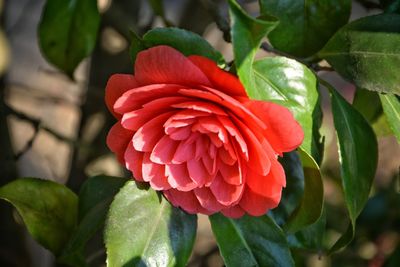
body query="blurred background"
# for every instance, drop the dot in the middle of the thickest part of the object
(55, 128)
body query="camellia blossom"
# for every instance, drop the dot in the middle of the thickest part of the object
(189, 129)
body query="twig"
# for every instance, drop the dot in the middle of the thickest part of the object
(37, 125)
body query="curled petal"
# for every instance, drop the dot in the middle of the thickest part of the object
(178, 177)
(233, 212)
(185, 200)
(255, 204)
(164, 151)
(150, 133)
(164, 64)
(225, 193)
(117, 85)
(220, 79)
(283, 132)
(207, 199)
(133, 161)
(154, 173)
(118, 139)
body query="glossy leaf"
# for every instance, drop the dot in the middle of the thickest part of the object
(311, 237)
(358, 153)
(251, 241)
(68, 32)
(367, 52)
(143, 229)
(186, 42)
(368, 104)
(48, 209)
(305, 26)
(247, 33)
(311, 205)
(391, 107)
(291, 84)
(95, 198)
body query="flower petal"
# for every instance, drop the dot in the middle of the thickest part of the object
(164, 151)
(225, 193)
(207, 199)
(117, 85)
(133, 161)
(118, 139)
(283, 132)
(220, 79)
(234, 212)
(135, 119)
(136, 98)
(178, 177)
(255, 204)
(154, 173)
(269, 185)
(150, 133)
(198, 173)
(186, 200)
(164, 64)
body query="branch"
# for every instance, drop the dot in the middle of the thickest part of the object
(37, 125)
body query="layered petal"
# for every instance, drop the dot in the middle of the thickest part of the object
(220, 79)
(118, 139)
(283, 132)
(117, 85)
(164, 64)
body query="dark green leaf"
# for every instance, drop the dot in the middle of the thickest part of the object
(294, 190)
(251, 241)
(367, 52)
(391, 6)
(305, 26)
(368, 104)
(358, 153)
(68, 32)
(247, 33)
(293, 85)
(188, 43)
(95, 198)
(310, 237)
(391, 106)
(143, 229)
(311, 205)
(137, 45)
(48, 209)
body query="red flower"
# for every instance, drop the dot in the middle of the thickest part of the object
(189, 129)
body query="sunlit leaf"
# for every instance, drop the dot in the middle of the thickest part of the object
(367, 52)
(305, 26)
(143, 229)
(48, 209)
(251, 241)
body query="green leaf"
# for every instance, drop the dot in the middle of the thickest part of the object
(48, 209)
(367, 52)
(310, 237)
(68, 32)
(293, 85)
(95, 198)
(358, 154)
(188, 43)
(247, 33)
(251, 241)
(305, 26)
(391, 6)
(311, 205)
(368, 104)
(143, 229)
(391, 107)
